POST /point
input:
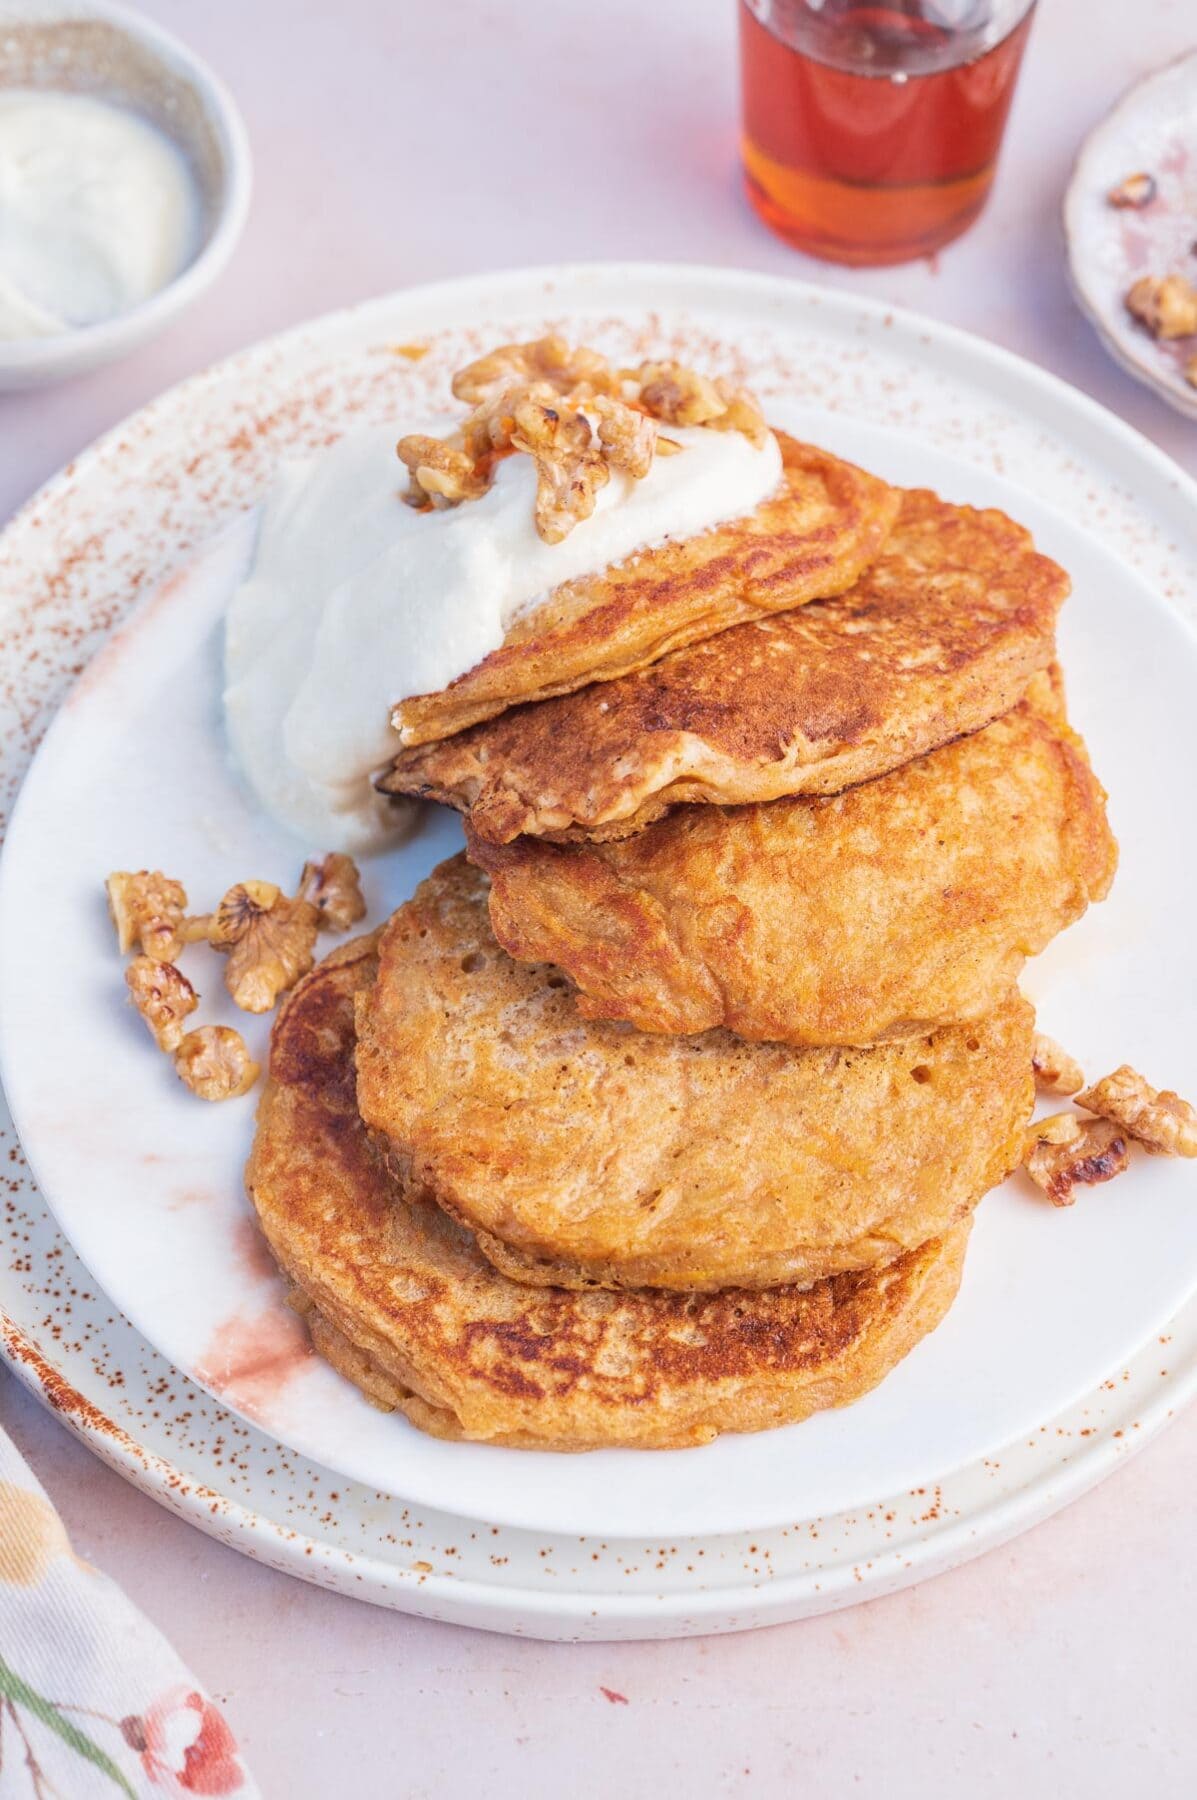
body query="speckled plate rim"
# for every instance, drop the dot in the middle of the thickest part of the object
(432, 1586)
(1126, 452)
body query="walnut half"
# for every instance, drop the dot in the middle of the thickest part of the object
(215, 1064)
(1064, 1152)
(1161, 1121)
(270, 941)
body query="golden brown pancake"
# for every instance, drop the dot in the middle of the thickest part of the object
(882, 912)
(941, 635)
(583, 1152)
(399, 1298)
(813, 538)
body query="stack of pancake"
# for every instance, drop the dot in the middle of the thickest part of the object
(664, 1111)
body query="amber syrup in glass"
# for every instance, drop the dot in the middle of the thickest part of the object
(871, 132)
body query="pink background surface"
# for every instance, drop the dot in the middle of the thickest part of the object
(397, 141)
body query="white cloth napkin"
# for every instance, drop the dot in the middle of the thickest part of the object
(93, 1700)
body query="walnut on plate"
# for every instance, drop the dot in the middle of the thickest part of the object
(163, 996)
(270, 941)
(1055, 1071)
(215, 1064)
(333, 886)
(148, 910)
(1134, 191)
(1158, 1119)
(1065, 1152)
(1166, 305)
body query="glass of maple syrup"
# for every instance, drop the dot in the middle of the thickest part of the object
(871, 131)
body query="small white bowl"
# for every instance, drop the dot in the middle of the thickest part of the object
(1152, 130)
(91, 46)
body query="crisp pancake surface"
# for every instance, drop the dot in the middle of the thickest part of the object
(813, 538)
(582, 1152)
(941, 635)
(883, 912)
(400, 1300)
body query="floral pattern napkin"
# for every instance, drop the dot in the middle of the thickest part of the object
(93, 1700)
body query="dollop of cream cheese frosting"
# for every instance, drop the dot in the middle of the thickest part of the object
(356, 601)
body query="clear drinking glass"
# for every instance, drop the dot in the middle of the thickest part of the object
(871, 131)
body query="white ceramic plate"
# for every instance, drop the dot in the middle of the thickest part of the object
(1152, 130)
(147, 1183)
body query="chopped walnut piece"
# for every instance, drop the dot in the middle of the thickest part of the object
(1167, 307)
(679, 396)
(163, 996)
(333, 885)
(440, 474)
(628, 437)
(741, 413)
(549, 359)
(1158, 1119)
(215, 1064)
(270, 942)
(1055, 1071)
(147, 909)
(1136, 191)
(569, 470)
(1064, 1152)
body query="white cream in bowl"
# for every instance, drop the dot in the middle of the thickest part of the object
(98, 211)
